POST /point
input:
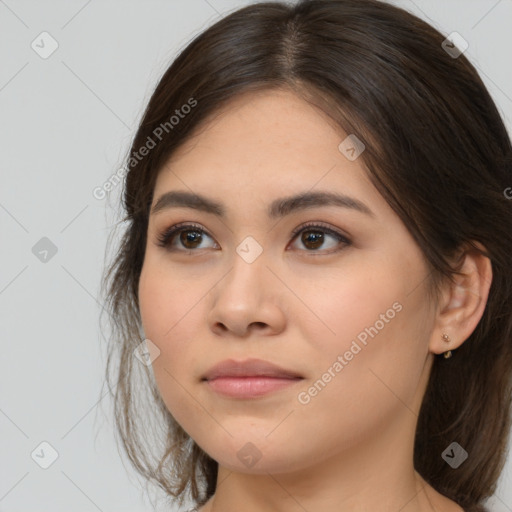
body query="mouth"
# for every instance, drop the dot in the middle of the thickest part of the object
(250, 378)
(249, 368)
(250, 387)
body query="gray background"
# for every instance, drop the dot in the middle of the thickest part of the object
(65, 123)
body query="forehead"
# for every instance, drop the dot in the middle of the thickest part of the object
(263, 147)
(256, 113)
(270, 135)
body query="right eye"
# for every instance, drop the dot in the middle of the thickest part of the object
(190, 237)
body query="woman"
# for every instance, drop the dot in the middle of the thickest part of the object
(315, 280)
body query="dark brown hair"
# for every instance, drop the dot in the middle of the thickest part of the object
(436, 149)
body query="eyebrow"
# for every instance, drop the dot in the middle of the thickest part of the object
(278, 208)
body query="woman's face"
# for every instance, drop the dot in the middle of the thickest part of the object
(350, 315)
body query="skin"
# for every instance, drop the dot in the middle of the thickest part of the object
(351, 446)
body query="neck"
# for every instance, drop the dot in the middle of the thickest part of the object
(376, 474)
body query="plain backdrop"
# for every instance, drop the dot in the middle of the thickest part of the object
(66, 121)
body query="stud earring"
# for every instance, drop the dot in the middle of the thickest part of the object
(448, 353)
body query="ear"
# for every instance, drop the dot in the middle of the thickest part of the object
(462, 304)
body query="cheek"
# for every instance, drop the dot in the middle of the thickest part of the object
(376, 381)
(377, 321)
(343, 302)
(170, 313)
(164, 300)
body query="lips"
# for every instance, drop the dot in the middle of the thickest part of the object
(249, 368)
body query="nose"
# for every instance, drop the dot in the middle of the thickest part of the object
(248, 299)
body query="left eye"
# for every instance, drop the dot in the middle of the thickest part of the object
(191, 236)
(314, 236)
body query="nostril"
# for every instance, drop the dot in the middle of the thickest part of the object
(259, 324)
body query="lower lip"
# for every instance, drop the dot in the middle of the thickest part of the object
(249, 387)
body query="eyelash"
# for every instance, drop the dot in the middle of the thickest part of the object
(165, 237)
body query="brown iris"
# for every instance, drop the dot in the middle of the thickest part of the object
(315, 238)
(190, 236)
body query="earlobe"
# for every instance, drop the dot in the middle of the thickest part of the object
(463, 302)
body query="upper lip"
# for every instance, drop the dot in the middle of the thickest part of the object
(248, 368)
